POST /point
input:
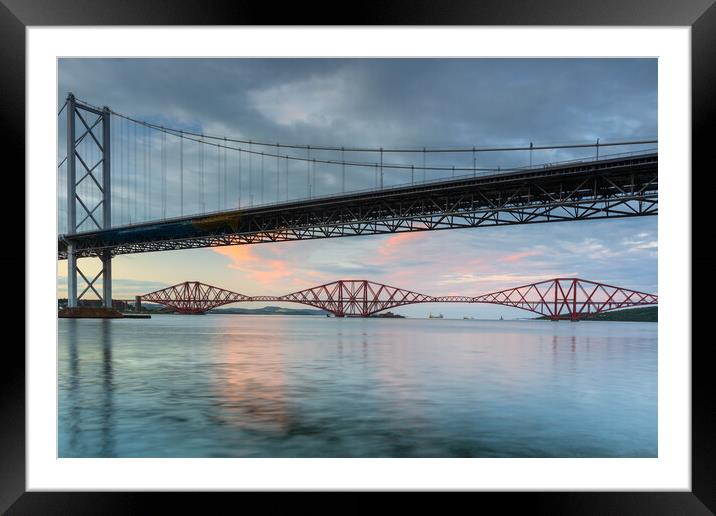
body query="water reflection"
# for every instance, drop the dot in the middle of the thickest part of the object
(249, 397)
(107, 410)
(86, 386)
(73, 379)
(244, 386)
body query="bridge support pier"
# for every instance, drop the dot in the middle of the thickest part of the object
(73, 271)
(107, 279)
(87, 119)
(71, 276)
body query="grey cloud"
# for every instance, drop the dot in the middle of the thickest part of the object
(402, 101)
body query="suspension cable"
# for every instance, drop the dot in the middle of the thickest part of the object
(392, 150)
(250, 152)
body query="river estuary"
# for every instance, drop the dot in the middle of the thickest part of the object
(220, 385)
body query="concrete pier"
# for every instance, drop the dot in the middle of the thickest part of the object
(86, 312)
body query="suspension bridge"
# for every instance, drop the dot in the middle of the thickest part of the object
(133, 186)
(559, 298)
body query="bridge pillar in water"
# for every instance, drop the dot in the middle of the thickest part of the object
(137, 304)
(107, 278)
(71, 276)
(89, 205)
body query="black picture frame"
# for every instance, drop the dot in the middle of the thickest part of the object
(16, 15)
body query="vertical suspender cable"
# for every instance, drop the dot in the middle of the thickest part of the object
(381, 168)
(278, 180)
(126, 173)
(130, 201)
(144, 175)
(262, 178)
(251, 177)
(150, 201)
(226, 173)
(134, 172)
(164, 174)
(161, 174)
(147, 154)
(181, 173)
(130, 172)
(530, 154)
(218, 177)
(201, 175)
(113, 168)
(308, 171)
(118, 170)
(125, 189)
(343, 170)
(424, 170)
(128, 196)
(144, 172)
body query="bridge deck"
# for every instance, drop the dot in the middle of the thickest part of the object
(617, 187)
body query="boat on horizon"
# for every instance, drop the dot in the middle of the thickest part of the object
(431, 316)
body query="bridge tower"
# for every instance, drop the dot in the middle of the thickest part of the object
(95, 131)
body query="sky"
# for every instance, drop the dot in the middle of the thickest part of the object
(379, 103)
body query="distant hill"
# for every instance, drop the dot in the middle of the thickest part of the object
(640, 314)
(269, 310)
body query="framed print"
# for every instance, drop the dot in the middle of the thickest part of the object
(199, 319)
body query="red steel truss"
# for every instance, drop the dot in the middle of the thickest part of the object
(560, 298)
(355, 297)
(192, 297)
(568, 298)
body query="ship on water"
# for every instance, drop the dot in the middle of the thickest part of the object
(431, 316)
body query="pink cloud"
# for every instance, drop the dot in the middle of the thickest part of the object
(265, 271)
(516, 257)
(268, 270)
(395, 243)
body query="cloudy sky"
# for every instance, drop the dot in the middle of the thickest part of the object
(379, 103)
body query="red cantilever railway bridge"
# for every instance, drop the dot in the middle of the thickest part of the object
(559, 298)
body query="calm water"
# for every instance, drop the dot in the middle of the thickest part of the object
(279, 386)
